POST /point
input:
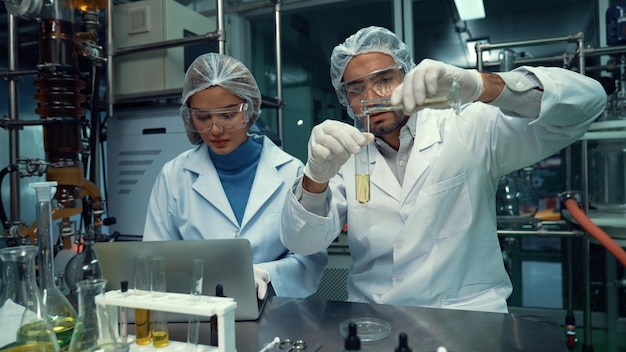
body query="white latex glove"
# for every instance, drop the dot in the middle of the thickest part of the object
(261, 279)
(431, 79)
(330, 146)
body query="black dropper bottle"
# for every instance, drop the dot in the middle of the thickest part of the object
(403, 343)
(352, 341)
(219, 292)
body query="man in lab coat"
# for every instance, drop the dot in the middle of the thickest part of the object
(428, 237)
(232, 184)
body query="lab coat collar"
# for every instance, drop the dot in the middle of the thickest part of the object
(266, 181)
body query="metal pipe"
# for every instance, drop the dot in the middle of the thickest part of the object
(14, 116)
(17, 74)
(480, 47)
(279, 74)
(213, 36)
(220, 27)
(569, 38)
(110, 96)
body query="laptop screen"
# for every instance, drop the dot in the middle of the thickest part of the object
(227, 262)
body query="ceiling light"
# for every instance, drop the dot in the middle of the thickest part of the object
(470, 9)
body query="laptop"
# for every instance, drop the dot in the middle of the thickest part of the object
(227, 262)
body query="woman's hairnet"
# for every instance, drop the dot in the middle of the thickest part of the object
(213, 69)
(366, 40)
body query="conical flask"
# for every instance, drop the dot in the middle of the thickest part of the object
(61, 313)
(20, 300)
(93, 326)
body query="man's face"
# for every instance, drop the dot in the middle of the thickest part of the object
(370, 76)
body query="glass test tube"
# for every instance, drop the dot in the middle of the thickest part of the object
(362, 163)
(142, 287)
(452, 99)
(193, 329)
(160, 331)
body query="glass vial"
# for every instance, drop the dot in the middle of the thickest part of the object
(92, 326)
(20, 292)
(362, 163)
(61, 313)
(160, 333)
(193, 329)
(219, 292)
(142, 288)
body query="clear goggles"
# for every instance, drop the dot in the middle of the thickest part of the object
(227, 119)
(382, 82)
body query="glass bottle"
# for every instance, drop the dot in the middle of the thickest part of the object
(516, 195)
(61, 313)
(93, 326)
(21, 295)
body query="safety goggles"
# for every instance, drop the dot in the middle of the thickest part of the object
(227, 119)
(382, 82)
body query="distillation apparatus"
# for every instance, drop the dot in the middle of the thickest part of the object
(69, 56)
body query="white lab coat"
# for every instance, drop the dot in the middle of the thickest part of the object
(433, 241)
(188, 202)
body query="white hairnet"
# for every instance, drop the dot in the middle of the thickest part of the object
(366, 40)
(213, 69)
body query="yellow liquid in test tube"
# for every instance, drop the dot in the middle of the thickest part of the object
(160, 338)
(142, 326)
(362, 163)
(363, 188)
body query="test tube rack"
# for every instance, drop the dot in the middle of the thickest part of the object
(207, 306)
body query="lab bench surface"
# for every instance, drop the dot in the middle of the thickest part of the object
(317, 321)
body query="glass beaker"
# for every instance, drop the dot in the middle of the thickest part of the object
(61, 313)
(516, 195)
(20, 294)
(93, 326)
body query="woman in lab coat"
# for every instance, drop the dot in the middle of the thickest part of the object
(428, 237)
(232, 184)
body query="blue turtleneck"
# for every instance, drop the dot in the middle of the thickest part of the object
(236, 171)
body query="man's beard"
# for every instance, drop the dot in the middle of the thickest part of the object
(387, 126)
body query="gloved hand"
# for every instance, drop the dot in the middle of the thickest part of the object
(330, 146)
(431, 79)
(261, 279)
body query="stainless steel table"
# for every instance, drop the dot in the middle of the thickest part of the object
(459, 331)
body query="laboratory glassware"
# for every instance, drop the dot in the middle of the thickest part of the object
(193, 329)
(516, 195)
(142, 288)
(160, 333)
(362, 163)
(452, 100)
(21, 293)
(61, 313)
(83, 265)
(93, 326)
(123, 315)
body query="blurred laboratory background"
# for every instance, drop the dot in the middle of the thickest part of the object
(119, 99)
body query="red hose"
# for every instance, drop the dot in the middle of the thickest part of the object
(595, 231)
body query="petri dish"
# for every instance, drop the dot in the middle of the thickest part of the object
(368, 329)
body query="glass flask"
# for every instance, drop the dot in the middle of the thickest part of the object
(61, 313)
(93, 326)
(20, 295)
(84, 265)
(516, 195)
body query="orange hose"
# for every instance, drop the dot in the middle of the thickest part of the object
(595, 231)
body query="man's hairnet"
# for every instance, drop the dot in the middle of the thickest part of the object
(213, 69)
(366, 40)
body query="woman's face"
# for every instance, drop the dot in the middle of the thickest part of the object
(222, 132)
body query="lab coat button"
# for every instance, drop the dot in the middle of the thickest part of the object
(519, 85)
(402, 163)
(235, 234)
